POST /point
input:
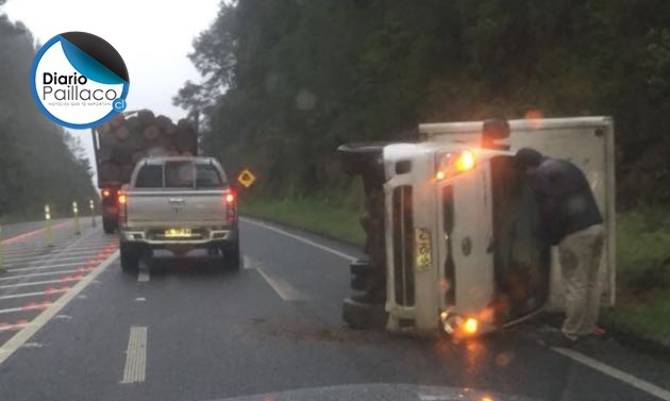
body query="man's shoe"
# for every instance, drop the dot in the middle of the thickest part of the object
(598, 331)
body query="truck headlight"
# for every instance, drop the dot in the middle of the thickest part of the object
(453, 163)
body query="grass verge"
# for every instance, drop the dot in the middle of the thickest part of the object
(643, 276)
(322, 216)
(643, 257)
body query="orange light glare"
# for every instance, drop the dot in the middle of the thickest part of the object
(123, 199)
(470, 326)
(230, 198)
(440, 175)
(465, 162)
(105, 193)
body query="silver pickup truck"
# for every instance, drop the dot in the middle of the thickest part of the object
(178, 204)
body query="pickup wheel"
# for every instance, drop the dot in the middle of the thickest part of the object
(108, 225)
(130, 258)
(231, 256)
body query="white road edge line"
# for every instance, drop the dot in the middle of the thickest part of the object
(281, 287)
(574, 355)
(43, 318)
(301, 239)
(136, 356)
(615, 373)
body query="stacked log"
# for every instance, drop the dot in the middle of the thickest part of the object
(125, 140)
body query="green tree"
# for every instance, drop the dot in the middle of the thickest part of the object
(286, 81)
(36, 165)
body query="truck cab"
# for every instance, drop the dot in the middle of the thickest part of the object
(461, 252)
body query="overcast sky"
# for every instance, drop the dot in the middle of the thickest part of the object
(153, 37)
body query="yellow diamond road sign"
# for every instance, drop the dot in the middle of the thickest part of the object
(246, 178)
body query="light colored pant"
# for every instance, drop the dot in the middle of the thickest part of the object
(579, 254)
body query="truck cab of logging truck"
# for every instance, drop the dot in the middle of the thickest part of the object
(456, 225)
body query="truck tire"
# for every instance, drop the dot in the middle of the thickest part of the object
(130, 258)
(363, 316)
(231, 256)
(108, 225)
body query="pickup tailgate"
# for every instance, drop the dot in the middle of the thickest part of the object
(182, 208)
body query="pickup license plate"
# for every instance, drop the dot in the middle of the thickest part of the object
(422, 247)
(178, 233)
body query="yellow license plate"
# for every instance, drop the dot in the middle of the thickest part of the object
(422, 249)
(178, 233)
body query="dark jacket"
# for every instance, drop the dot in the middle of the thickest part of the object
(565, 199)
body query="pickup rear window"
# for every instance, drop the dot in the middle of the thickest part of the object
(179, 175)
(150, 177)
(207, 177)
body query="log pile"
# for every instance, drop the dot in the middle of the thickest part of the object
(126, 139)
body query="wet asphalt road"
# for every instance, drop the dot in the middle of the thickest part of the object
(74, 327)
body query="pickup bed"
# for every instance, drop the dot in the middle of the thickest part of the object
(178, 204)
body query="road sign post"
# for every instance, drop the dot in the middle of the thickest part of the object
(91, 206)
(75, 212)
(47, 229)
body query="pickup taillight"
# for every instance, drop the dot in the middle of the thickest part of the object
(229, 201)
(123, 207)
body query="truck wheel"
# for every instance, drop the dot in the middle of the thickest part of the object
(360, 315)
(130, 258)
(231, 256)
(108, 225)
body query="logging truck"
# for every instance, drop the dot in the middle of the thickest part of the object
(128, 138)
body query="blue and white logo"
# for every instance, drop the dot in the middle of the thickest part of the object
(79, 80)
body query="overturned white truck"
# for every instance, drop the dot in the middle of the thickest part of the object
(451, 224)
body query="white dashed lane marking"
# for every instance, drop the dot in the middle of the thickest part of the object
(143, 276)
(136, 356)
(285, 290)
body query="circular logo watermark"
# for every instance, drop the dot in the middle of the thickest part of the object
(79, 80)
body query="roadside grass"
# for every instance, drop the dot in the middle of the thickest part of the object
(331, 218)
(643, 275)
(643, 256)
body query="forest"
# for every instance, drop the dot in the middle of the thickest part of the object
(284, 82)
(40, 163)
